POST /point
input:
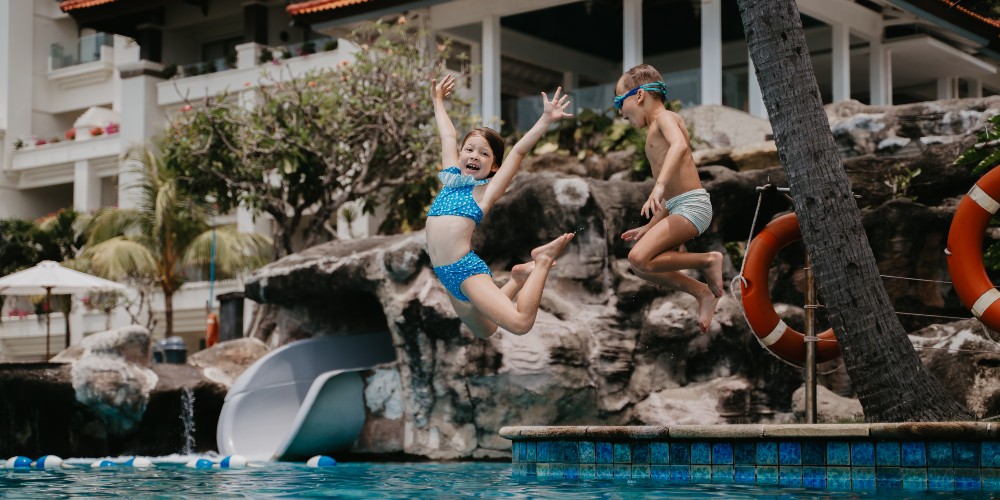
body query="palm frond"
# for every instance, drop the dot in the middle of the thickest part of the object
(120, 258)
(110, 223)
(235, 252)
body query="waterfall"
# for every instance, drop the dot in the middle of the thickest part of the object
(187, 418)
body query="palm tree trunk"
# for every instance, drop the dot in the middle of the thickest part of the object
(168, 311)
(891, 382)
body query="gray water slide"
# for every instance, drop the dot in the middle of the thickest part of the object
(302, 399)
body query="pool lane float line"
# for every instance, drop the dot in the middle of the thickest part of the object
(772, 333)
(18, 462)
(48, 462)
(965, 249)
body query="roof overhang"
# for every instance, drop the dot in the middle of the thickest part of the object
(331, 13)
(981, 29)
(922, 58)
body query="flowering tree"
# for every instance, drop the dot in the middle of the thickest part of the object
(360, 131)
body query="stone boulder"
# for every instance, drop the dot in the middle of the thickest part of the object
(113, 378)
(965, 357)
(225, 361)
(830, 407)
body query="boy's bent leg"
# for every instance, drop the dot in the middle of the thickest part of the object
(707, 300)
(654, 253)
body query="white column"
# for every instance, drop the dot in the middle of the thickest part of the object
(880, 74)
(491, 71)
(755, 99)
(947, 87)
(476, 87)
(86, 187)
(632, 38)
(247, 55)
(711, 51)
(570, 81)
(142, 119)
(17, 74)
(975, 87)
(841, 43)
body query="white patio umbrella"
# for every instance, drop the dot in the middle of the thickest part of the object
(49, 278)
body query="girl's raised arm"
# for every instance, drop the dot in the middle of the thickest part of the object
(553, 111)
(446, 129)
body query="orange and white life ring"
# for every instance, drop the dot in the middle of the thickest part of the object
(772, 332)
(965, 249)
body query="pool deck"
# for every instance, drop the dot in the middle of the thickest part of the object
(935, 456)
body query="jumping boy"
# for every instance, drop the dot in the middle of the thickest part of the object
(687, 212)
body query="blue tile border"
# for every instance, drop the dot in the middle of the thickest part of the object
(913, 463)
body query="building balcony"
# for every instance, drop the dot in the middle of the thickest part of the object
(54, 163)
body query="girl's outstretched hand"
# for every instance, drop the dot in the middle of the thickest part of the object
(443, 89)
(555, 109)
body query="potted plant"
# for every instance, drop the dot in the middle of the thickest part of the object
(71, 134)
(18, 144)
(330, 45)
(40, 142)
(307, 48)
(96, 131)
(112, 128)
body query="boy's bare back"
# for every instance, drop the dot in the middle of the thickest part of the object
(669, 127)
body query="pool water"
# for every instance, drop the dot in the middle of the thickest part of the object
(169, 478)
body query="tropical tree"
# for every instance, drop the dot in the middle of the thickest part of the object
(312, 143)
(166, 236)
(890, 380)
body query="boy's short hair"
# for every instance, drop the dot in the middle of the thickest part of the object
(641, 75)
(493, 138)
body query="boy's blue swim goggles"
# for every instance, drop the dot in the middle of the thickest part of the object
(657, 86)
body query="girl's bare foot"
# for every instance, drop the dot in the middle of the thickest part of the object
(706, 309)
(520, 272)
(552, 249)
(713, 274)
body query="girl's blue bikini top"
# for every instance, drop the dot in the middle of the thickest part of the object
(455, 197)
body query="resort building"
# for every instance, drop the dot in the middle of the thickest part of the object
(85, 80)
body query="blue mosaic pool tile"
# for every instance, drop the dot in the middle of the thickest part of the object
(659, 453)
(744, 453)
(767, 474)
(660, 473)
(940, 478)
(722, 453)
(767, 453)
(605, 453)
(623, 453)
(814, 477)
(887, 454)
(640, 472)
(744, 474)
(588, 471)
(542, 469)
(569, 452)
(889, 478)
(838, 478)
(990, 479)
(863, 478)
(722, 473)
(862, 454)
(838, 453)
(570, 471)
(789, 453)
(967, 479)
(990, 452)
(680, 473)
(623, 472)
(640, 453)
(790, 476)
(701, 453)
(517, 452)
(524, 469)
(939, 454)
(966, 454)
(605, 472)
(545, 451)
(531, 454)
(913, 454)
(680, 454)
(914, 478)
(701, 473)
(588, 452)
(813, 453)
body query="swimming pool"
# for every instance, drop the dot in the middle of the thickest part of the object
(374, 480)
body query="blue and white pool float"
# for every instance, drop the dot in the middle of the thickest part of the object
(321, 461)
(138, 462)
(100, 464)
(18, 462)
(48, 462)
(233, 462)
(200, 463)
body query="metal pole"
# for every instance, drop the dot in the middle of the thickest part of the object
(211, 267)
(48, 319)
(810, 341)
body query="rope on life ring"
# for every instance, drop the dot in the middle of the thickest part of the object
(773, 333)
(965, 249)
